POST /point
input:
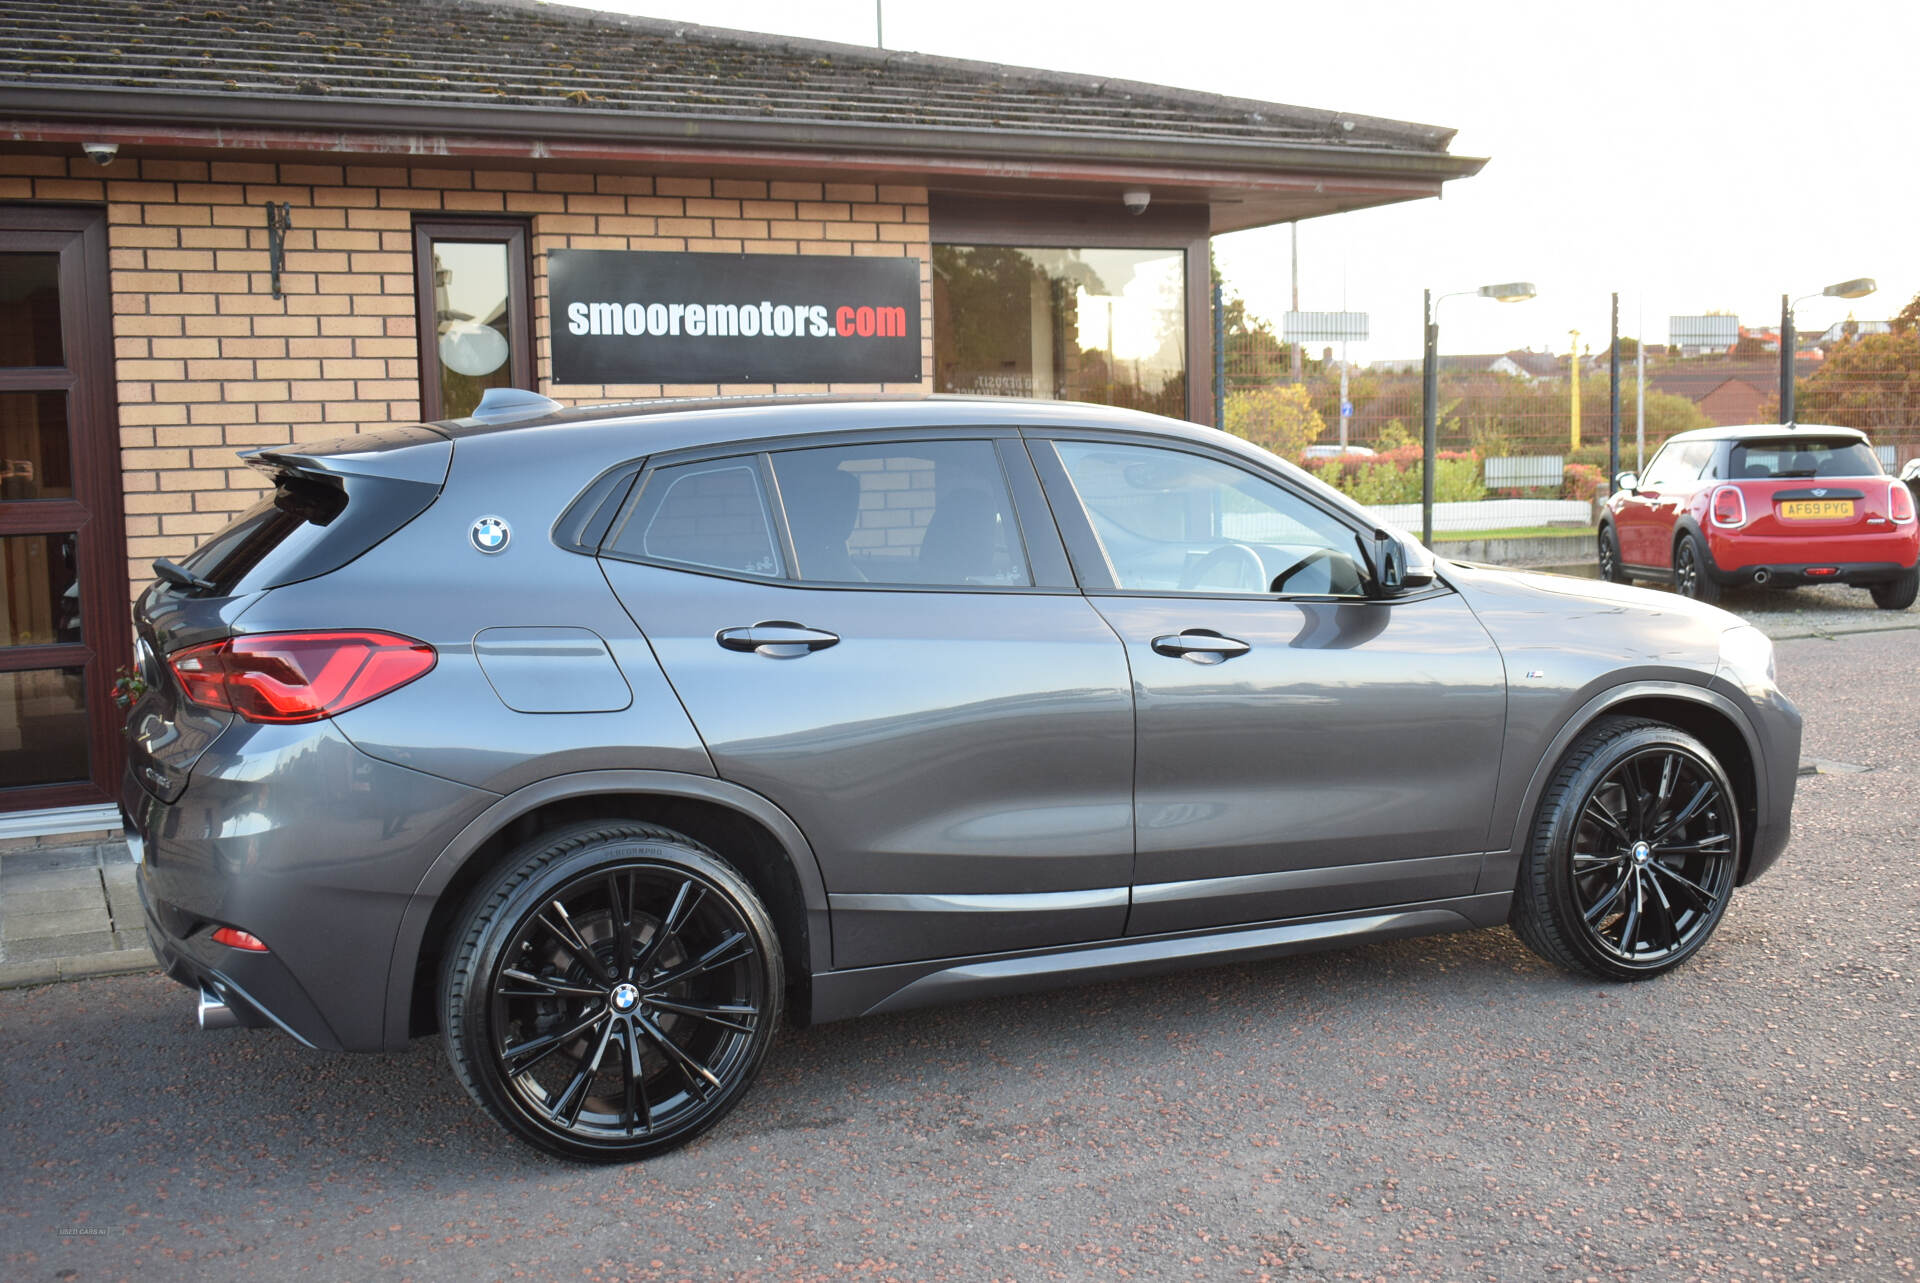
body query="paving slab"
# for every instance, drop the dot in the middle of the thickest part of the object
(20, 903)
(42, 859)
(71, 945)
(15, 928)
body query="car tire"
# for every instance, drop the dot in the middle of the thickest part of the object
(1611, 568)
(611, 992)
(1896, 594)
(1692, 570)
(1634, 853)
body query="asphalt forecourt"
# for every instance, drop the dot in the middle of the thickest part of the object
(1448, 1108)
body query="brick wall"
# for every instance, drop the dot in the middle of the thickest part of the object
(208, 362)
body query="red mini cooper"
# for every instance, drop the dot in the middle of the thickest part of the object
(1772, 505)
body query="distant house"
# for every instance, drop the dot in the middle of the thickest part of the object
(1728, 391)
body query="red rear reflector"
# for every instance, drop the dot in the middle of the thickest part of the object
(1823, 570)
(298, 677)
(235, 938)
(1899, 501)
(1729, 507)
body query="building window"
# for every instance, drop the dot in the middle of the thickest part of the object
(1062, 323)
(475, 314)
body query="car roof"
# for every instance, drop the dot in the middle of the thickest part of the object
(609, 433)
(799, 414)
(1752, 431)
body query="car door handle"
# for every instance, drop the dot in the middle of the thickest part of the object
(1200, 646)
(776, 639)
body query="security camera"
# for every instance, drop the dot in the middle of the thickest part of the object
(1136, 200)
(101, 153)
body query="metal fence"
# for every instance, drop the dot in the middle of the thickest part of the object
(1524, 437)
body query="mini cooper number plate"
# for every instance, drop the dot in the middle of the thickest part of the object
(1816, 509)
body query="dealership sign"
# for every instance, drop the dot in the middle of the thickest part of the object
(631, 317)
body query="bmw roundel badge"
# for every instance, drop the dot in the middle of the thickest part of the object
(490, 534)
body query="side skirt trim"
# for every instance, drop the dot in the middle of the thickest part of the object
(839, 995)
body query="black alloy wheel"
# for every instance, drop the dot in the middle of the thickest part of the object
(1635, 853)
(613, 994)
(1690, 571)
(1610, 569)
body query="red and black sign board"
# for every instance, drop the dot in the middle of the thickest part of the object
(624, 316)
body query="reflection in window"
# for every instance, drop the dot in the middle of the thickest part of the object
(703, 514)
(35, 461)
(39, 590)
(932, 513)
(43, 727)
(471, 300)
(1101, 325)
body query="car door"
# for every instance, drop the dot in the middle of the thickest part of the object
(1633, 510)
(1300, 748)
(1658, 503)
(874, 635)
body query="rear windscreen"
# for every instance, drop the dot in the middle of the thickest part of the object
(1802, 457)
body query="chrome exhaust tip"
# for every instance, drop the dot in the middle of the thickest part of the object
(215, 1013)
(1761, 575)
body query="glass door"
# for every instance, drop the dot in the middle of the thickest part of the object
(63, 594)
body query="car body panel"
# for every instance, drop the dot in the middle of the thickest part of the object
(949, 744)
(1311, 751)
(322, 871)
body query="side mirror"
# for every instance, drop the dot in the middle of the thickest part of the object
(1627, 481)
(1394, 564)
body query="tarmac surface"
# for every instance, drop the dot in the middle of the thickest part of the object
(1448, 1108)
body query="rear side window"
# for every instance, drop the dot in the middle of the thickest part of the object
(712, 515)
(923, 513)
(1803, 457)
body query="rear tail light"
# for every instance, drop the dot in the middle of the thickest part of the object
(235, 938)
(1899, 501)
(1729, 507)
(298, 677)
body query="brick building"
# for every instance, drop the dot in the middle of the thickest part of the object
(243, 224)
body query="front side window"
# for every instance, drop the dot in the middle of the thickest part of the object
(924, 513)
(1803, 457)
(1169, 521)
(1100, 325)
(710, 516)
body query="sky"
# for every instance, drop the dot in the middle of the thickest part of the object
(1694, 156)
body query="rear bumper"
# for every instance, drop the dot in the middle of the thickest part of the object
(294, 835)
(1800, 574)
(1789, 561)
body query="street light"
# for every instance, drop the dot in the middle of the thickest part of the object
(1506, 292)
(1858, 287)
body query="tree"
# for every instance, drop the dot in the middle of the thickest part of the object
(1871, 382)
(1280, 419)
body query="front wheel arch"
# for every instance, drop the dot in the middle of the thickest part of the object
(1704, 714)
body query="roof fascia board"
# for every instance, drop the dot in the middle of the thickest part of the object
(550, 127)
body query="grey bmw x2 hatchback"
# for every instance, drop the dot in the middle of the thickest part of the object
(598, 741)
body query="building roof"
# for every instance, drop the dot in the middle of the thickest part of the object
(515, 67)
(1696, 379)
